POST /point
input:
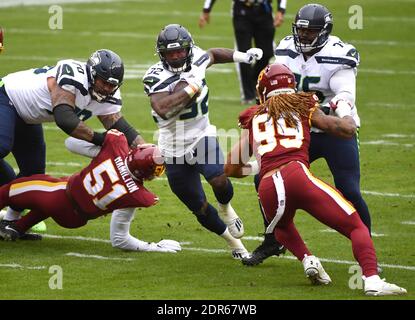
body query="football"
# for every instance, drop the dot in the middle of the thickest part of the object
(179, 86)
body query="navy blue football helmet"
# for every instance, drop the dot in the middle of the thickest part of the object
(171, 38)
(314, 17)
(107, 66)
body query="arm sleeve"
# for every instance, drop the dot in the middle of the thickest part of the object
(84, 148)
(207, 5)
(343, 84)
(120, 231)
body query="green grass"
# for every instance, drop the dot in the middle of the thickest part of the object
(385, 99)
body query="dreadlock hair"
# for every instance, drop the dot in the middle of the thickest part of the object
(287, 105)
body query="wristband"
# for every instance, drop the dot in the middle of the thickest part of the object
(239, 56)
(98, 138)
(191, 90)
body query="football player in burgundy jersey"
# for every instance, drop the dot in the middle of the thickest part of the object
(278, 134)
(113, 180)
(68, 94)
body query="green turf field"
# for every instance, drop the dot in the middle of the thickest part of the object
(92, 269)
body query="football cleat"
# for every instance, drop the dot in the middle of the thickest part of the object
(40, 227)
(240, 253)
(269, 247)
(9, 233)
(379, 287)
(315, 271)
(231, 219)
(235, 227)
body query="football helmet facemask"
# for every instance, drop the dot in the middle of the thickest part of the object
(107, 66)
(174, 38)
(145, 162)
(314, 17)
(275, 79)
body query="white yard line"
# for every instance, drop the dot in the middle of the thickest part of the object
(408, 222)
(330, 260)
(17, 3)
(94, 256)
(398, 135)
(19, 266)
(226, 14)
(386, 143)
(373, 234)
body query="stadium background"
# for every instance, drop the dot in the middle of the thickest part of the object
(205, 269)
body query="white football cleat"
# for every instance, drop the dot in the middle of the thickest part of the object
(240, 253)
(231, 219)
(314, 270)
(374, 286)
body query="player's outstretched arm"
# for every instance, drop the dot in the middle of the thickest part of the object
(224, 55)
(121, 238)
(344, 127)
(237, 162)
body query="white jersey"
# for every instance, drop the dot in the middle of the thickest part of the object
(29, 93)
(315, 73)
(179, 134)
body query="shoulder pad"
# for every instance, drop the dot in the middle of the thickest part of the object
(71, 75)
(286, 48)
(337, 52)
(158, 79)
(245, 117)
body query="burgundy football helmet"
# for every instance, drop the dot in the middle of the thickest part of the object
(145, 162)
(275, 79)
(1, 40)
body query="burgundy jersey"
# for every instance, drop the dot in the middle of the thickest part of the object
(105, 184)
(273, 143)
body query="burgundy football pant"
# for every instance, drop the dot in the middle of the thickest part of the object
(294, 188)
(45, 196)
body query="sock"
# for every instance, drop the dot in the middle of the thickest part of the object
(29, 220)
(12, 215)
(233, 243)
(227, 212)
(374, 278)
(211, 221)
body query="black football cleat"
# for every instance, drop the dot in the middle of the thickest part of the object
(269, 247)
(9, 232)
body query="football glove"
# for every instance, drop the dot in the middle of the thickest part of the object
(341, 108)
(165, 246)
(254, 54)
(249, 57)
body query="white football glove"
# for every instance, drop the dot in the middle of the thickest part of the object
(249, 57)
(165, 246)
(341, 108)
(254, 54)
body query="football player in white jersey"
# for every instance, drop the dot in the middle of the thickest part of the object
(178, 96)
(68, 93)
(328, 66)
